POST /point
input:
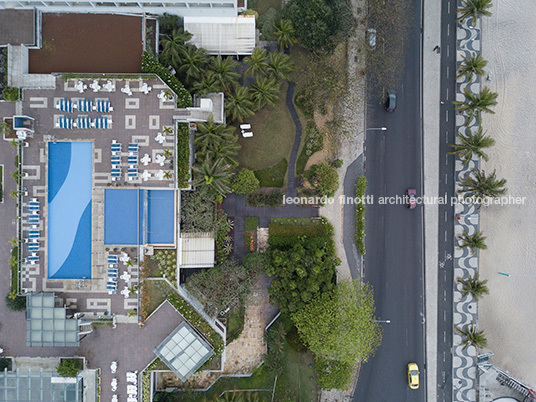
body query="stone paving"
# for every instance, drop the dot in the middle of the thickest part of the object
(464, 362)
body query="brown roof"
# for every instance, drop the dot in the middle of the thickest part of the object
(17, 27)
(88, 43)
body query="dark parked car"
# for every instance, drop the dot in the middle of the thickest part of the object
(390, 102)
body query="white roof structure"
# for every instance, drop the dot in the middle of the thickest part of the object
(222, 35)
(184, 351)
(197, 250)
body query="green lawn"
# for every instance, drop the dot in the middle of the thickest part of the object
(273, 176)
(157, 292)
(252, 222)
(273, 136)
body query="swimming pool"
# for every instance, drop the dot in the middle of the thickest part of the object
(70, 166)
(139, 216)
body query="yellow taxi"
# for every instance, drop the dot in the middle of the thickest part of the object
(413, 375)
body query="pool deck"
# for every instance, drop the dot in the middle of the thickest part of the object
(136, 118)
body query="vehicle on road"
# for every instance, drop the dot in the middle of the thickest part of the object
(371, 32)
(412, 198)
(390, 102)
(413, 375)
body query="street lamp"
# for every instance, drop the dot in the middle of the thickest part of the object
(385, 321)
(508, 275)
(376, 128)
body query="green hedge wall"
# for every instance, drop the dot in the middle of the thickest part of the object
(183, 155)
(150, 65)
(360, 209)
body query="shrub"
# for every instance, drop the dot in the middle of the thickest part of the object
(266, 24)
(150, 65)
(276, 229)
(6, 363)
(324, 178)
(294, 340)
(69, 367)
(11, 94)
(15, 302)
(245, 182)
(183, 155)
(360, 209)
(272, 199)
(168, 22)
(337, 163)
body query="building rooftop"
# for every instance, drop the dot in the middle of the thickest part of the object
(47, 325)
(184, 351)
(17, 27)
(37, 386)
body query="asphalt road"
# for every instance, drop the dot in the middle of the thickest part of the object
(394, 242)
(446, 212)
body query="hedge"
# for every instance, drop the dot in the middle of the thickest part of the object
(360, 209)
(276, 229)
(183, 155)
(195, 319)
(150, 65)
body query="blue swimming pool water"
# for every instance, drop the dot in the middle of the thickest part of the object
(70, 166)
(139, 216)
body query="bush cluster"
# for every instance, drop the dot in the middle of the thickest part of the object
(360, 209)
(166, 261)
(183, 155)
(150, 65)
(275, 229)
(11, 94)
(272, 199)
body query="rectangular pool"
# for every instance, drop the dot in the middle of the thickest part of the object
(139, 216)
(70, 174)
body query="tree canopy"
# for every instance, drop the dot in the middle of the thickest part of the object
(320, 24)
(245, 182)
(69, 367)
(303, 267)
(339, 325)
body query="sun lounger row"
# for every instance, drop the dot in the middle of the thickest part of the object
(116, 160)
(84, 122)
(133, 149)
(32, 259)
(84, 105)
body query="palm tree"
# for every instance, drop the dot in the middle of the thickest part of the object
(475, 241)
(257, 62)
(207, 84)
(476, 104)
(173, 46)
(474, 8)
(481, 186)
(193, 62)
(280, 65)
(167, 152)
(285, 33)
(213, 176)
(14, 194)
(227, 149)
(224, 71)
(473, 337)
(238, 105)
(264, 91)
(472, 144)
(167, 130)
(473, 64)
(14, 241)
(210, 136)
(168, 174)
(15, 175)
(474, 286)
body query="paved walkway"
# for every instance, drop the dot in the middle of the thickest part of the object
(464, 362)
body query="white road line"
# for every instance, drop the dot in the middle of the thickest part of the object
(448, 51)
(444, 355)
(448, 30)
(446, 178)
(447, 93)
(445, 276)
(447, 115)
(444, 336)
(444, 295)
(448, 72)
(448, 7)
(445, 216)
(445, 235)
(444, 316)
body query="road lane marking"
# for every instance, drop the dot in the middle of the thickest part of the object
(448, 30)
(447, 115)
(447, 93)
(446, 178)
(445, 296)
(444, 336)
(445, 276)
(445, 235)
(444, 356)
(444, 316)
(448, 71)
(445, 216)
(448, 7)
(448, 51)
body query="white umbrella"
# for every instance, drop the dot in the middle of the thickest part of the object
(145, 175)
(146, 159)
(159, 175)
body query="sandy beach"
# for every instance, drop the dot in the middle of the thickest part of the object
(507, 313)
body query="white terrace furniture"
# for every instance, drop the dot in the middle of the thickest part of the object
(109, 86)
(245, 126)
(145, 88)
(146, 159)
(80, 87)
(159, 175)
(160, 138)
(113, 367)
(126, 89)
(145, 175)
(160, 159)
(95, 86)
(247, 134)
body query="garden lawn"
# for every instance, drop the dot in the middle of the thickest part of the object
(273, 136)
(157, 292)
(273, 176)
(296, 379)
(252, 222)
